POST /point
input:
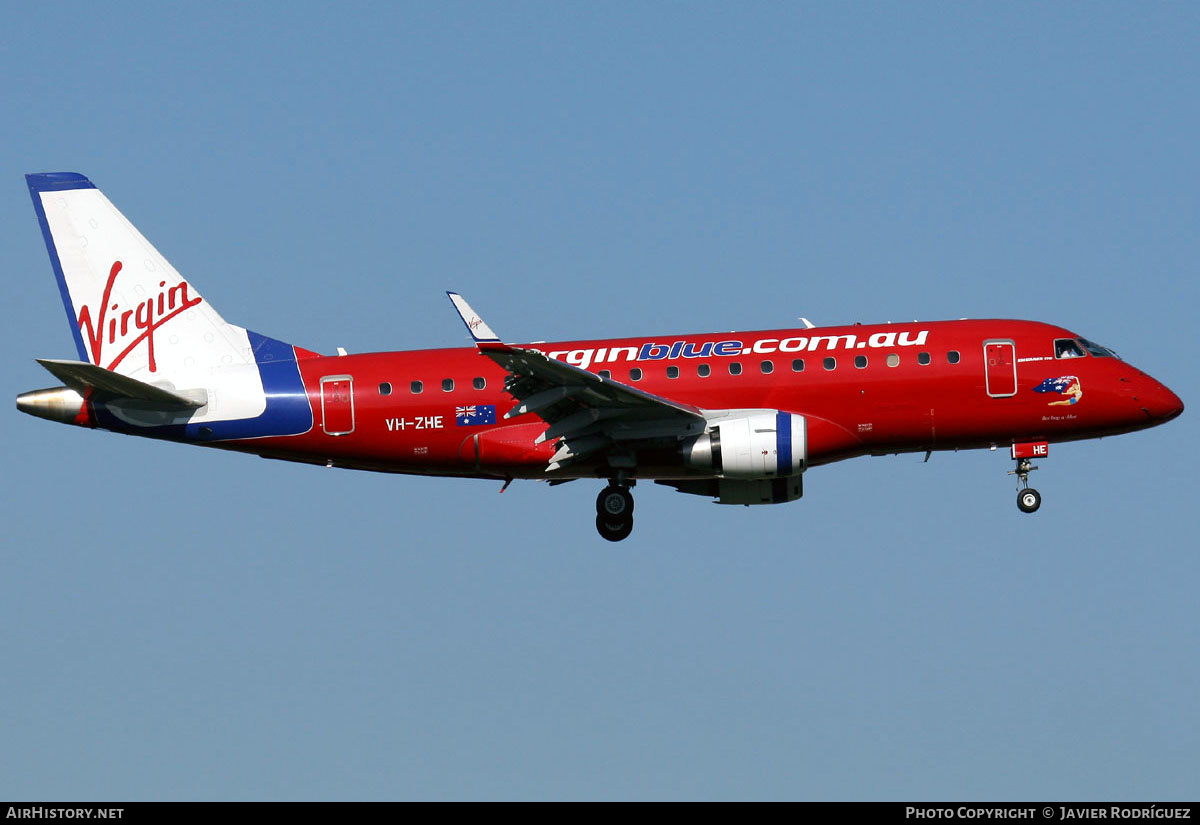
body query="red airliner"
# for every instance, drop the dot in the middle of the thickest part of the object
(737, 417)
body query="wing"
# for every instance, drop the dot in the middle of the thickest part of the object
(588, 414)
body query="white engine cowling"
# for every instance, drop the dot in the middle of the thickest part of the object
(750, 444)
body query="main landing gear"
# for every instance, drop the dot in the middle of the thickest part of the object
(1028, 499)
(614, 511)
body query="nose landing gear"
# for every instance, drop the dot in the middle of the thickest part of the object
(1028, 499)
(614, 511)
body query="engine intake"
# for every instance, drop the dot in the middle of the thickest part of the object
(750, 444)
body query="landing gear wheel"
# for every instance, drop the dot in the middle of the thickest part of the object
(1028, 500)
(614, 531)
(615, 504)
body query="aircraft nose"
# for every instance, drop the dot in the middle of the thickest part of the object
(1160, 402)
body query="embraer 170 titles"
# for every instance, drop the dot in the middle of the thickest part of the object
(737, 419)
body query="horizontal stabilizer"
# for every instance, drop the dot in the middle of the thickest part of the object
(82, 377)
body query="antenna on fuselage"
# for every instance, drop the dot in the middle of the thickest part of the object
(807, 323)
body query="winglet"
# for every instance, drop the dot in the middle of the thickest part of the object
(479, 330)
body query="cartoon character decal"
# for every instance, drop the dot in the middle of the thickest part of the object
(1066, 386)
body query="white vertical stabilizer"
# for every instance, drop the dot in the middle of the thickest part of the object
(131, 311)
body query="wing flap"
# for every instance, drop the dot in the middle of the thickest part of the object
(586, 413)
(572, 382)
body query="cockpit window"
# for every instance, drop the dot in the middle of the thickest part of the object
(1096, 350)
(1067, 348)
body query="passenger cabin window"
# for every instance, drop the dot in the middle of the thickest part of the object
(1067, 348)
(798, 365)
(767, 367)
(672, 372)
(735, 368)
(416, 387)
(952, 356)
(447, 385)
(605, 374)
(860, 361)
(703, 370)
(893, 360)
(479, 383)
(635, 374)
(923, 358)
(385, 388)
(829, 363)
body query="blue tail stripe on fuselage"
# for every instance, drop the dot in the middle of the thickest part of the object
(288, 411)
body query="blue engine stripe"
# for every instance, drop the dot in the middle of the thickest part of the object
(58, 182)
(783, 442)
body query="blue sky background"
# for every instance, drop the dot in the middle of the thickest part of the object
(178, 623)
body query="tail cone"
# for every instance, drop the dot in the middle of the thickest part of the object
(56, 404)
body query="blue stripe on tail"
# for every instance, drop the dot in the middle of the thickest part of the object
(288, 411)
(58, 182)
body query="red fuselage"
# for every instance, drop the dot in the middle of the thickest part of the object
(862, 389)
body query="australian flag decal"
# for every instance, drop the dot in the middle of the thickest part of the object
(475, 415)
(1066, 386)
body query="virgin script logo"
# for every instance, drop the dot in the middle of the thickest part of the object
(146, 317)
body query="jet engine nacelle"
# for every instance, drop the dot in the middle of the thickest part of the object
(750, 444)
(742, 491)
